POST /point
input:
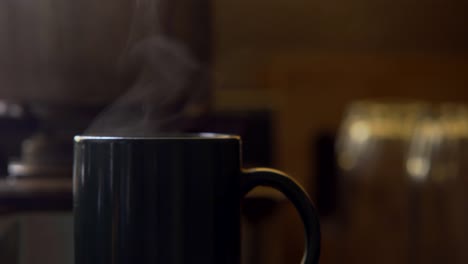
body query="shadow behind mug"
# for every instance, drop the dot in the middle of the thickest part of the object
(169, 200)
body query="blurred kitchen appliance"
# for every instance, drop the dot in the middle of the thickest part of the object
(371, 151)
(403, 189)
(16, 124)
(35, 190)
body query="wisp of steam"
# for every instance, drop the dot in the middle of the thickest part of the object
(166, 90)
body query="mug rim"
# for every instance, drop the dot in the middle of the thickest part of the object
(168, 136)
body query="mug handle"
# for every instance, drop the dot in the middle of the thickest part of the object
(278, 180)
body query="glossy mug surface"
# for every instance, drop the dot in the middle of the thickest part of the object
(169, 200)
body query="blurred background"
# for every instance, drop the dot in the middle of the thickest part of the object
(363, 102)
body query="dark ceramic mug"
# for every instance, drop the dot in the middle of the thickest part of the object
(170, 200)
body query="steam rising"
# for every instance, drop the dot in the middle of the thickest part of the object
(167, 90)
